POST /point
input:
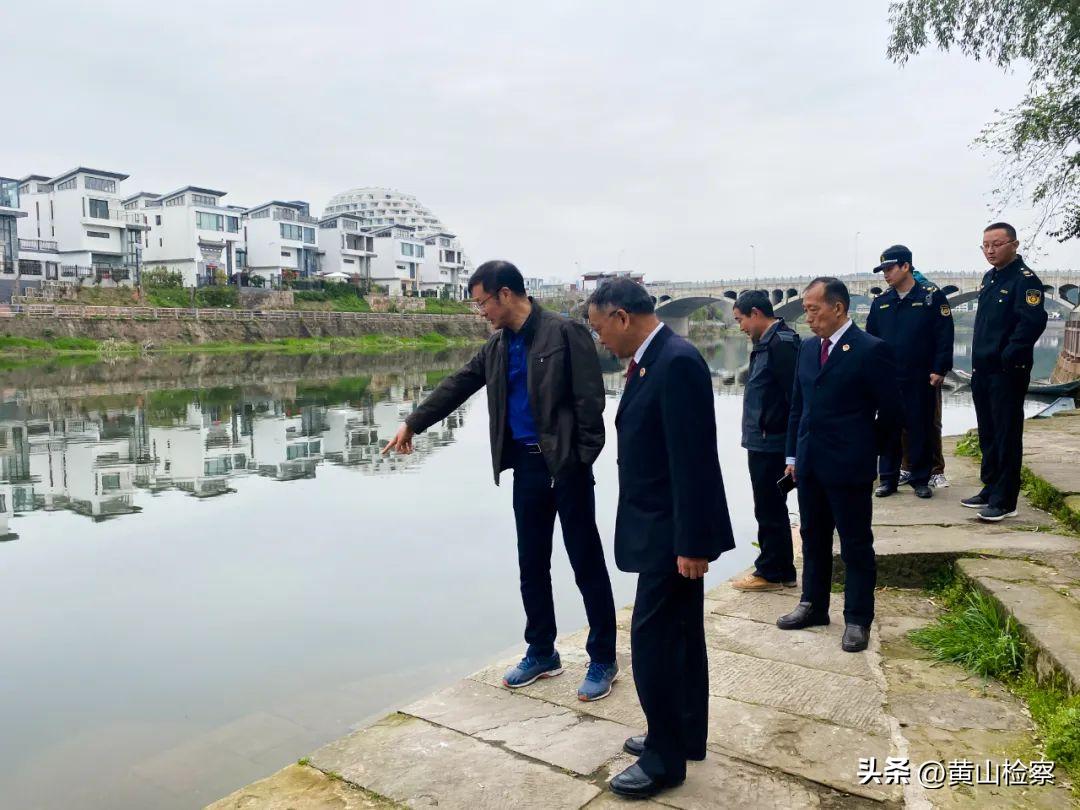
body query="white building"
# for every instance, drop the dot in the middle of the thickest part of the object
(281, 238)
(345, 246)
(399, 254)
(442, 272)
(590, 281)
(76, 228)
(384, 206)
(191, 233)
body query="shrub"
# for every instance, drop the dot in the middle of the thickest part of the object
(162, 277)
(216, 297)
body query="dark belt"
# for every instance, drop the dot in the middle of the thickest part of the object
(532, 448)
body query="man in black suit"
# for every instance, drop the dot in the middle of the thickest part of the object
(845, 403)
(672, 521)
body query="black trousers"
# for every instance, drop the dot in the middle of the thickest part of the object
(919, 401)
(536, 502)
(848, 510)
(671, 670)
(999, 409)
(776, 560)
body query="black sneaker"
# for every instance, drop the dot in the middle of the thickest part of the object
(975, 501)
(884, 490)
(923, 491)
(995, 513)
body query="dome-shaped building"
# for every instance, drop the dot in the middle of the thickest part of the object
(384, 206)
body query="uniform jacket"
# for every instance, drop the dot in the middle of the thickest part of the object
(841, 412)
(1010, 318)
(566, 392)
(671, 493)
(767, 394)
(918, 329)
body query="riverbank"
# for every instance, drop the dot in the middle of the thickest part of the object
(791, 715)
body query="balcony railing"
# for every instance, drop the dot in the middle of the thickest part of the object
(289, 215)
(119, 215)
(39, 245)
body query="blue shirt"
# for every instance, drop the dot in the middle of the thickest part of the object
(522, 426)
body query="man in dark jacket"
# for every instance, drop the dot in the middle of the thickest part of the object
(766, 405)
(1010, 319)
(545, 407)
(672, 521)
(916, 321)
(845, 401)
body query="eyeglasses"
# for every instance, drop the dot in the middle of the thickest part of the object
(478, 306)
(592, 331)
(994, 246)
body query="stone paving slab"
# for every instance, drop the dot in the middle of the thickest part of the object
(299, 787)
(1049, 617)
(841, 699)
(560, 736)
(413, 762)
(818, 751)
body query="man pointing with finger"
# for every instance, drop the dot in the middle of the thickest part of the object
(672, 521)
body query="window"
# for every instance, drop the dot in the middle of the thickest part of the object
(232, 224)
(173, 201)
(406, 249)
(203, 199)
(101, 184)
(157, 219)
(261, 214)
(72, 183)
(309, 236)
(111, 481)
(331, 225)
(420, 251)
(97, 234)
(208, 222)
(295, 232)
(286, 254)
(99, 209)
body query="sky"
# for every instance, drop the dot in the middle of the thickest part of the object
(665, 138)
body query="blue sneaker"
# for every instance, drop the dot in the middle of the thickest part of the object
(532, 668)
(598, 681)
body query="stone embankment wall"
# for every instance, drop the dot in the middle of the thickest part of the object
(160, 332)
(1068, 362)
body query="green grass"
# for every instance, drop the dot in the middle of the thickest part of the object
(968, 445)
(440, 306)
(977, 634)
(168, 297)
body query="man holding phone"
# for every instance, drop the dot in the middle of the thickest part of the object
(766, 405)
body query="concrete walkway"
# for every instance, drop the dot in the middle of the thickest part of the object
(791, 715)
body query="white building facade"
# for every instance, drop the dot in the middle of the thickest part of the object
(442, 272)
(282, 241)
(345, 246)
(399, 256)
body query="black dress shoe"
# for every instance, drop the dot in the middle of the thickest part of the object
(636, 745)
(923, 491)
(802, 616)
(856, 638)
(634, 783)
(884, 490)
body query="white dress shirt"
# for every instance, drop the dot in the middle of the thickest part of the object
(645, 343)
(834, 338)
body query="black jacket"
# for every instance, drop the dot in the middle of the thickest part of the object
(841, 413)
(918, 329)
(671, 493)
(566, 392)
(767, 396)
(1010, 318)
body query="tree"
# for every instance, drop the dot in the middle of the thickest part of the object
(1039, 138)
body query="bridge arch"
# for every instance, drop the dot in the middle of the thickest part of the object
(676, 312)
(950, 289)
(1070, 293)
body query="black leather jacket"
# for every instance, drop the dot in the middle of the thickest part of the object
(566, 392)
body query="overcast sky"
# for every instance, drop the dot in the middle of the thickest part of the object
(660, 137)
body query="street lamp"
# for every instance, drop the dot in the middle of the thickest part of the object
(855, 267)
(753, 261)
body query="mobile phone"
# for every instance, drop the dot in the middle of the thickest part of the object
(785, 484)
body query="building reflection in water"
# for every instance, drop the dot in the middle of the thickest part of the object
(101, 456)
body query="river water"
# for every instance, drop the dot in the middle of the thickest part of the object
(208, 570)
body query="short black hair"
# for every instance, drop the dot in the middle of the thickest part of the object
(1002, 226)
(495, 275)
(622, 293)
(836, 291)
(754, 299)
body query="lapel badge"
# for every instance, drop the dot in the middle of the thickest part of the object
(846, 347)
(641, 372)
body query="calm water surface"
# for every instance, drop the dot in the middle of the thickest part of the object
(209, 570)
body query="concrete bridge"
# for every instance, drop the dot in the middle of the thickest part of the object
(676, 301)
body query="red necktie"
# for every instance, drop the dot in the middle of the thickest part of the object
(630, 369)
(824, 351)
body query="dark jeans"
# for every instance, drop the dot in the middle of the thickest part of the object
(999, 409)
(848, 510)
(671, 670)
(775, 561)
(536, 501)
(919, 399)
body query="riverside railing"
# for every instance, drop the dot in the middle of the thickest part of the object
(178, 314)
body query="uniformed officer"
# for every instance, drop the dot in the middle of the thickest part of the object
(1010, 319)
(916, 322)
